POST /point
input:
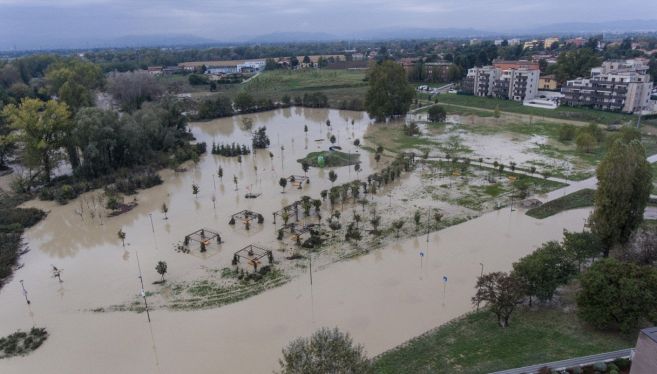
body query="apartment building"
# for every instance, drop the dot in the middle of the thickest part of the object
(511, 80)
(619, 86)
(549, 42)
(437, 71)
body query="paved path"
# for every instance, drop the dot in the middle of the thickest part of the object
(570, 363)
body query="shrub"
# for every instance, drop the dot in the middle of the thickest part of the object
(326, 351)
(64, 193)
(567, 133)
(617, 294)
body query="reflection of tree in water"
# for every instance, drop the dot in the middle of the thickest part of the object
(63, 233)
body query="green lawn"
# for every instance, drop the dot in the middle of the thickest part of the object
(391, 137)
(331, 159)
(337, 85)
(578, 199)
(476, 344)
(563, 112)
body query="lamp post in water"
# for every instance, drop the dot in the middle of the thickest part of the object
(25, 293)
(143, 292)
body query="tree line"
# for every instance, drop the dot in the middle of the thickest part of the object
(613, 262)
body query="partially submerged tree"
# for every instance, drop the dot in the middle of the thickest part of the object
(398, 224)
(333, 176)
(543, 271)
(282, 182)
(121, 235)
(260, 138)
(165, 210)
(501, 292)
(161, 268)
(327, 351)
(43, 128)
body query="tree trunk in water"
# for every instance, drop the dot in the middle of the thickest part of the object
(73, 156)
(46, 166)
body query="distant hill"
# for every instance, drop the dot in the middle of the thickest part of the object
(387, 33)
(419, 33)
(595, 27)
(290, 37)
(157, 40)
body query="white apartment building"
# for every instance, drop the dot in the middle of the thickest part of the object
(620, 85)
(511, 80)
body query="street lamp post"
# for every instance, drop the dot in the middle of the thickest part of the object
(143, 291)
(25, 293)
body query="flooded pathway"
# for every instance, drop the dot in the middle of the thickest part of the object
(383, 299)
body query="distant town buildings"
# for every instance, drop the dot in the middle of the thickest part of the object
(619, 85)
(514, 41)
(512, 80)
(531, 44)
(437, 71)
(549, 42)
(155, 70)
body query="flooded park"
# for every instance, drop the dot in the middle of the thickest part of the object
(383, 289)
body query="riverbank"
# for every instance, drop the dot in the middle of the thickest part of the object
(475, 343)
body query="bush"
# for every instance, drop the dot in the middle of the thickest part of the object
(326, 351)
(618, 294)
(21, 217)
(567, 133)
(411, 129)
(315, 100)
(65, 193)
(437, 114)
(20, 343)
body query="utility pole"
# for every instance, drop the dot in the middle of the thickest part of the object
(143, 292)
(150, 216)
(310, 258)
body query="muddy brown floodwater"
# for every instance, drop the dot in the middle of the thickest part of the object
(382, 298)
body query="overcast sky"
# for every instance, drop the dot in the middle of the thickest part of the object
(25, 22)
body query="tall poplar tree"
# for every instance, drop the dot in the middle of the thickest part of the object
(624, 184)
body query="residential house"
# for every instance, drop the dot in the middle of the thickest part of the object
(548, 82)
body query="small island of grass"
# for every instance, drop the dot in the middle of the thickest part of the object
(21, 343)
(331, 159)
(578, 199)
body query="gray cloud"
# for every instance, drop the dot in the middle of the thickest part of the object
(44, 22)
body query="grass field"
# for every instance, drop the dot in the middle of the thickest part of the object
(331, 159)
(578, 199)
(476, 344)
(337, 85)
(562, 112)
(391, 137)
